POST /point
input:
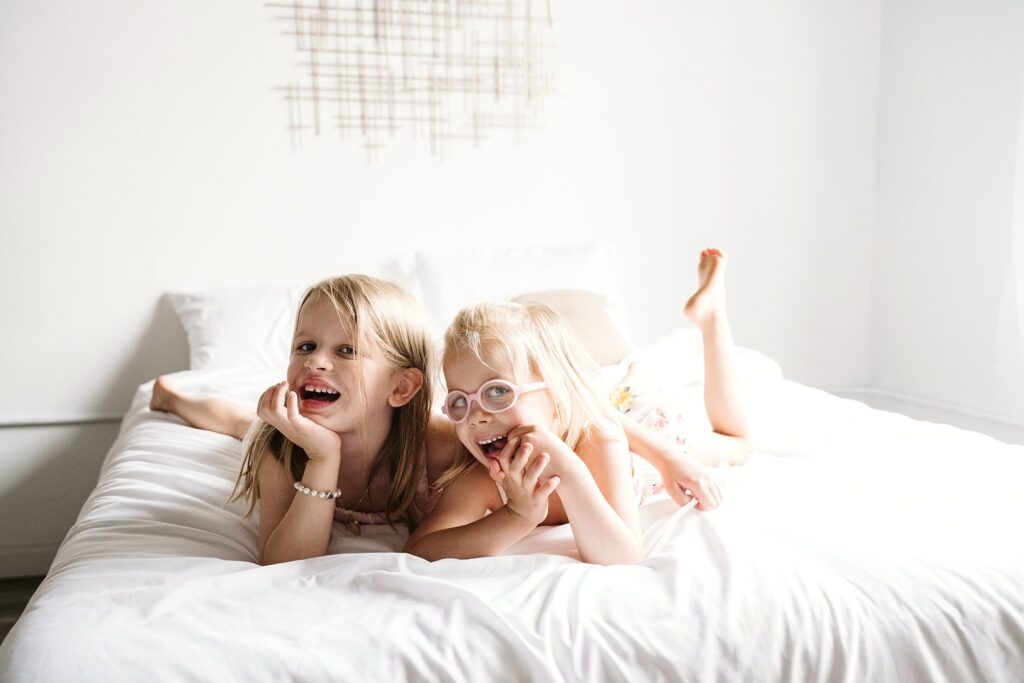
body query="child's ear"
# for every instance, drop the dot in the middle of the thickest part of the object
(409, 382)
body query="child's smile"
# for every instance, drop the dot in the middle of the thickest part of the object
(491, 446)
(316, 393)
(485, 433)
(327, 368)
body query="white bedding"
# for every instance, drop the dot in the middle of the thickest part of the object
(858, 545)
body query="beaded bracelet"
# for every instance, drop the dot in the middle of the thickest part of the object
(325, 495)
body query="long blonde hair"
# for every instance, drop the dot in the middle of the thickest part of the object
(390, 324)
(535, 340)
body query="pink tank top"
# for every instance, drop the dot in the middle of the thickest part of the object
(425, 500)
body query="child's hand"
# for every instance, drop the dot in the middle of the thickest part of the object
(682, 474)
(561, 460)
(518, 470)
(280, 408)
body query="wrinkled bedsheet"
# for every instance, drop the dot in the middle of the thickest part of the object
(856, 545)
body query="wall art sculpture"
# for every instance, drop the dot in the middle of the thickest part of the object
(445, 71)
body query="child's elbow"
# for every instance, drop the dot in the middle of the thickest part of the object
(625, 556)
(740, 451)
(747, 445)
(411, 547)
(423, 550)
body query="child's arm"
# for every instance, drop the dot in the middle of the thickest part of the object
(213, 414)
(680, 470)
(458, 527)
(295, 526)
(596, 490)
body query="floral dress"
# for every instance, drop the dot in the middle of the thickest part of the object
(648, 408)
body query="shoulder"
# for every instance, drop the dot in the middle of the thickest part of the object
(442, 446)
(604, 434)
(604, 444)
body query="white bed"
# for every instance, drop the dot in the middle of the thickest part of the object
(857, 545)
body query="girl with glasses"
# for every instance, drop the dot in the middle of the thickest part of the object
(541, 443)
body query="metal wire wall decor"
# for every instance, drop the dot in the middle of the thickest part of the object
(444, 70)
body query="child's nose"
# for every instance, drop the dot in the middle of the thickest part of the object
(318, 361)
(477, 415)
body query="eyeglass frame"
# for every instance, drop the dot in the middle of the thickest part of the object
(517, 391)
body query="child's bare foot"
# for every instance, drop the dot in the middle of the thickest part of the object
(163, 395)
(708, 303)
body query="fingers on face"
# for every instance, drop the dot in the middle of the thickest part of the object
(520, 459)
(266, 399)
(548, 486)
(519, 431)
(272, 402)
(531, 475)
(505, 457)
(494, 469)
(292, 405)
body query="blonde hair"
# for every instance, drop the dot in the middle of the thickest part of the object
(389, 324)
(535, 340)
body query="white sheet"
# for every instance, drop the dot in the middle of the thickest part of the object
(858, 546)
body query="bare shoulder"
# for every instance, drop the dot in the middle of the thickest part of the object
(442, 446)
(606, 439)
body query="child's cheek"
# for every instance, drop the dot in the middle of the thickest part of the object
(468, 443)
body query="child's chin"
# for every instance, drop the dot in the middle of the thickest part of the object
(480, 457)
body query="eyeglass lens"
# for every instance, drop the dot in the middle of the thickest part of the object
(494, 398)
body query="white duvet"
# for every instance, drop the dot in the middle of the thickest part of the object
(858, 545)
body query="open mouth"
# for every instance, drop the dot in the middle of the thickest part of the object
(492, 445)
(318, 394)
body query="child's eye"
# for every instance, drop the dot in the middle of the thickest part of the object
(347, 350)
(497, 391)
(305, 347)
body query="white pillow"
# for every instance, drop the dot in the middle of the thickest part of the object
(251, 326)
(452, 279)
(677, 360)
(247, 326)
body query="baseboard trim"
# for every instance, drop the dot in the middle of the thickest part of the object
(29, 559)
(928, 403)
(1002, 427)
(61, 421)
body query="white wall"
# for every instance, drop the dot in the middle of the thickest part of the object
(950, 111)
(143, 150)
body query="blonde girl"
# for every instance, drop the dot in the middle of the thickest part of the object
(523, 400)
(349, 436)
(542, 446)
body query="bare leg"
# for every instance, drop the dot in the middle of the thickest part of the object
(723, 394)
(213, 414)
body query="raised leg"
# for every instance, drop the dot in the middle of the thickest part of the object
(723, 393)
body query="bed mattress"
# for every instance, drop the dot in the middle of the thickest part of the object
(856, 545)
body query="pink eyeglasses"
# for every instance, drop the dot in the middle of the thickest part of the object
(494, 396)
